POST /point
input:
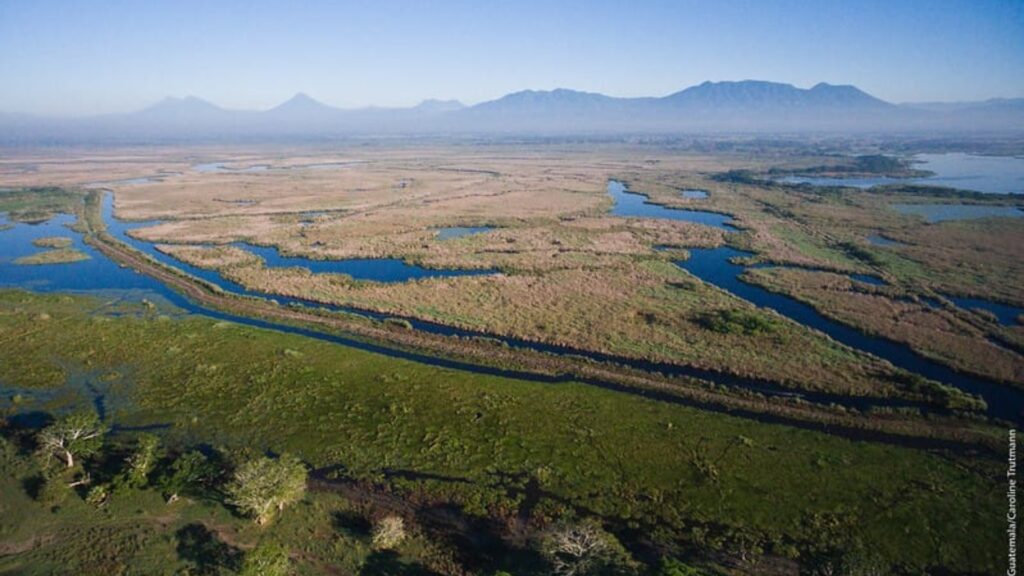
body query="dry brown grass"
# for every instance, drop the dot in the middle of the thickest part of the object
(571, 273)
(935, 332)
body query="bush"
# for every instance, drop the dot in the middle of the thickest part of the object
(267, 559)
(738, 322)
(98, 495)
(388, 532)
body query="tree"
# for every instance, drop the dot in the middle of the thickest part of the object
(388, 532)
(190, 472)
(263, 487)
(77, 435)
(584, 548)
(143, 461)
(267, 559)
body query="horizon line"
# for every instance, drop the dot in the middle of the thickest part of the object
(304, 94)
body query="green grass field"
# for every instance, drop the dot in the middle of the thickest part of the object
(693, 483)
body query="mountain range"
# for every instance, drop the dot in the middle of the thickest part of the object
(712, 107)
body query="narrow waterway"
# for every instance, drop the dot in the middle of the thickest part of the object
(714, 266)
(102, 274)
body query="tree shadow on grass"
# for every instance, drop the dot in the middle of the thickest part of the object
(201, 548)
(388, 563)
(351, 522)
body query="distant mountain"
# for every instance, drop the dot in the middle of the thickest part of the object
(748, 106)
(301, 106)
(559, 100)
(758, 95)
(187, 107)
(438, 106)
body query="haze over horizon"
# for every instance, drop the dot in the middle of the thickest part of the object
(65, 58)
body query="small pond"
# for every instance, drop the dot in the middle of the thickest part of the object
(879, 240)
(459, 231)
(220, 167)
(868, 279)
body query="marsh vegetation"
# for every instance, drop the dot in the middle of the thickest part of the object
(507, 420)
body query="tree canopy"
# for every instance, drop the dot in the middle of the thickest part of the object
(263, 487)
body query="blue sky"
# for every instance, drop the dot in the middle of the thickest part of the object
(78, 57)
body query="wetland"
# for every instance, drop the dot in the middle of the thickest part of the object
(517, 337)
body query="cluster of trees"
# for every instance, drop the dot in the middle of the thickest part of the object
(261, 487)
(72, 457)
(76, 459)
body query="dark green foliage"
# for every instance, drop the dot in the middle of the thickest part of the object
(267, 559)
(737, 177)
(389, 563)
(673, 567)
(192, 474)
(877, 164)
(738, 322)
(37, 204)
(860, 252)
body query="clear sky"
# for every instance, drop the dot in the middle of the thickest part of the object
(83, 57)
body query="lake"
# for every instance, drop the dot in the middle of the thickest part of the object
(988, 174)
(945, 212)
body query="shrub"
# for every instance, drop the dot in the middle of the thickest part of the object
(738, 322)
(98, 495)
(267, 559)
(388, 532)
